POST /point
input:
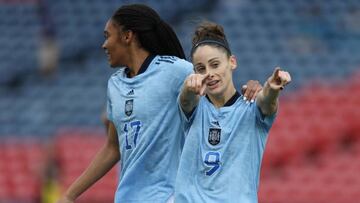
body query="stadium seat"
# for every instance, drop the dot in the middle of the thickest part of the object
(72, 163)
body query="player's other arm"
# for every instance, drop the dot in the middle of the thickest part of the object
(267, 99)
(193, 87)
(104, 160)
(251, 90)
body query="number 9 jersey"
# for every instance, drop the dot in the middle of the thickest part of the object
(144, 111)
(222, 153)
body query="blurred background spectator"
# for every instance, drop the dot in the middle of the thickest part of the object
(48, 49)
(314, 157)
(50, 186)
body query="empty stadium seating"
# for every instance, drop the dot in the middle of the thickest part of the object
(20, 168)
(74, 150)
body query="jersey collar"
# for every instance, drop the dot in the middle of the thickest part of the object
(143, 67)
(231, 101)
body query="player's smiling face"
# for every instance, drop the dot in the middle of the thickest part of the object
(214, 61)
(114, 45)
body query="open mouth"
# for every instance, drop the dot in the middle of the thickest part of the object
(212, 84)
(108, 55)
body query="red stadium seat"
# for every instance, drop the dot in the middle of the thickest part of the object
(73, 162)
(21, 162)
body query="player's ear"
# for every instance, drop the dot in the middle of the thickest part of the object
(233, 62)
(129, 36)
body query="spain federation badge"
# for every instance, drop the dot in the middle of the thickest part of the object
(214, 136)
(129, 107)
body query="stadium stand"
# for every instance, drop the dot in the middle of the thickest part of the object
(20, 168)
(73, 154)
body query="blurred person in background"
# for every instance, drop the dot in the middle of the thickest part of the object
(48, 53)
(144, 126)
(226, 135)
(50, 186)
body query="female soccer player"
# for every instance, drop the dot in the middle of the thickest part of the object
(226, 135)
(144, 129)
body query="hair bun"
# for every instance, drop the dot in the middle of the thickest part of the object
(208, 30)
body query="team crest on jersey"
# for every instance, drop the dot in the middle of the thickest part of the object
(129, 107)
(214, 136)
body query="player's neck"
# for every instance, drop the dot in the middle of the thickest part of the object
(220, 100)
(137, 58)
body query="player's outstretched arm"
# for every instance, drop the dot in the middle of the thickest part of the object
(194, 86)
(267, 99)
(104, 160)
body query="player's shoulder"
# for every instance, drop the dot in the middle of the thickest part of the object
(174, 63)
(115, 76)
(117, 73)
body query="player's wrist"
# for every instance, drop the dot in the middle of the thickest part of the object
(270, 90)
(189, 92)
(69, 197)
(271, 86)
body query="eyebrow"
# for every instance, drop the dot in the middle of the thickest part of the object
(213, 59)
(210, 60)
(198, 64)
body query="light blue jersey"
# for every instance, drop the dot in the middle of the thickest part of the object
(222, 153)
(145, 113)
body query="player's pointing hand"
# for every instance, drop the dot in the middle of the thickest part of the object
(195, 83)
(279, 79)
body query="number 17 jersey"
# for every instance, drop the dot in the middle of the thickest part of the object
(144, 112)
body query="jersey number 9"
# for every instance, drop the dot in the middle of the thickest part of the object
(212, 159)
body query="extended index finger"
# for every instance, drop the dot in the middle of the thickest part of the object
(276, 72)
